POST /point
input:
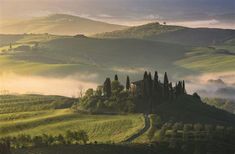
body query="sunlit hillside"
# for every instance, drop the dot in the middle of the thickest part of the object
(60, 24)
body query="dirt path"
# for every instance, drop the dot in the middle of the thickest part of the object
(141, 132)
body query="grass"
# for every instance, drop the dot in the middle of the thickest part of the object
(8, 64)
(23, 103)
(36, 114)
(209, 59)
(101, 128)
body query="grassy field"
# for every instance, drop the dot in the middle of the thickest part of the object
(35, 115)
(24, 103)
(209, 59)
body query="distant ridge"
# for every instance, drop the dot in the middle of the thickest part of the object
(173, 34)
(59, 24)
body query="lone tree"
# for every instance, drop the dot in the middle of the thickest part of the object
(128, 85)
(10, 46)
(116, 77)
(107, 87)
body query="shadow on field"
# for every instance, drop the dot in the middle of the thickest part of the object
(96, 149)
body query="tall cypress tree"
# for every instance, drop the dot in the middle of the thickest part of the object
(145, 75)
(128, 84)
(116, 77)
(150, 84)
(145, 85)
(156, 77)
(171, 91)
(166, 86)
(107, 87)
(184, 90)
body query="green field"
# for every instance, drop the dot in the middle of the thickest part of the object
(35, 115)
(209, 59)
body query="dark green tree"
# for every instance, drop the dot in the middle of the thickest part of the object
(10, 47)
(155, 77)
(116, 77)
(150, 84)
(145, 75)
(107, 87)
(128, 84)
(166, 86)
(184, 90)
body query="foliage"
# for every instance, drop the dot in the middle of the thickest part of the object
(203, 138)
(146, 95)
(22, 140)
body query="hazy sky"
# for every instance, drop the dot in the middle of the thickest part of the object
(122, 10)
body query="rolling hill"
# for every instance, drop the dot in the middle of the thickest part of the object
(60, 24)
(174, 34)
(130, 51)
(63, 56)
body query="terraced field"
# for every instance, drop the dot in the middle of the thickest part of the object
(37, 115)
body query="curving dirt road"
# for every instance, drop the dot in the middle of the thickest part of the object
(141, 132)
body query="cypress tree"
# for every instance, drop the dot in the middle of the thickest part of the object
(10, 46)
(171, 91)
(128, 83)
(145, 75)
(107, 87)
(156, 77)
(150, 84)
(145, 85)
(116, 77)
(166, 81)
(184, 90)
(166, 86)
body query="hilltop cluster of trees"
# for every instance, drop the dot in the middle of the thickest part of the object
(145, 94)
(110, 97)
(22, 140)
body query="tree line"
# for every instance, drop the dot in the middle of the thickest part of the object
(23, 140)
(144, 94)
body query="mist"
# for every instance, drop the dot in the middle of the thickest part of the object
(68, 86)
(214, 85)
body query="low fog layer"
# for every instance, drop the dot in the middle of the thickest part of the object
(69, 86)
(220, 85)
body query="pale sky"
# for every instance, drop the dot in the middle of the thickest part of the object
(123, 11)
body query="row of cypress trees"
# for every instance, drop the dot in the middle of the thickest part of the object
(151, 88)
(155, 88)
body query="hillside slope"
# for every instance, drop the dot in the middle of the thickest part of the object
(189, 109)
(61, 24)
(68, 55)
(174, 34)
